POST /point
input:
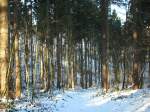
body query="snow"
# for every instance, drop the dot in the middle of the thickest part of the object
(91, 100)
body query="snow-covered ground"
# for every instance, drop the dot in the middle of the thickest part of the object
(90, 100)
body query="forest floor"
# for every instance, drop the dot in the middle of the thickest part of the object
(91, 100)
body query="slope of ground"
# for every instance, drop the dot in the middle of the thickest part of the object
(90, 100)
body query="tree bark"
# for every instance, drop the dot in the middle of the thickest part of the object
(4, 47)
(137, 39)
(105, 36)
(17, 61)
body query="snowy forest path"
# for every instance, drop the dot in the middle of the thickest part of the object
(77, 102)
(88, 101)
(91, 100)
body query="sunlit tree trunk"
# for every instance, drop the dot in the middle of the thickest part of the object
(67, 64)
(31, 68)
(116, 71)
(17, 61)
(137, 39)
(71, 71)
(105, 35)
(52, 71)
(26, 61)
(47, 69)
(42, 67)
(4, 47)
(36, 68)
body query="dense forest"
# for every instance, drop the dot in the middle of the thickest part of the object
(49, 45)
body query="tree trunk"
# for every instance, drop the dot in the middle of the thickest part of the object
(105, 35)
(136, 69)
(71, 71)
(47, 69)
(124, 71)
(52, 71)
(81, 65)
(4, 47)
(36, 68)
(59, 61)
(75, 67)
(137, 39)
(17, 61)
(42, 67)
(85, 64)
(91, 65)
(31, 69)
